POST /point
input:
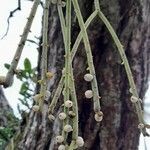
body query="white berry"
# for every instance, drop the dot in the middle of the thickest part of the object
(79, 141)
(141, 126)
(98, 117)
(61, 147)
(134, 99)
(88, 77)
(89, 94)
(35, 108)
(68, 128)
(62, 116)
(51, 117)
(68, 103)
(59, 139)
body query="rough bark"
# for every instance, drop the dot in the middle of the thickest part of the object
(118, 130)
(8, 121)
(4, 109)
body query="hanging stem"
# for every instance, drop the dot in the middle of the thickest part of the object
(67, 39)
(89, 56)
(75, 108)
(61, 82)
(73, 52)
(125, 61)
(56, 95)
(44, 53)
(10, 75)
(62, 21)
(80, 36)
(67, 49)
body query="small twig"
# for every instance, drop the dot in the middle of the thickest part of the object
(10, 16)
(32, 41)
(41, 3)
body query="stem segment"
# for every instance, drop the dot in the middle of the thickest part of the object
(89, 56)
(44, 53)
(126, 64)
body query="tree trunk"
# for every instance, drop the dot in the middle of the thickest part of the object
(5, 108)
(118, 130)
(8, 121)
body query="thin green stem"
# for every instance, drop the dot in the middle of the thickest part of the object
(61, 82)
(97, 5)
(67, 49)
(9, 77)
(56, 95)
(126, 64)
(72, 145)
(75, 108)
(80, 36)
(89, 56)
(62, 21)
(73, 52)
(121, 52)
(44, 53)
